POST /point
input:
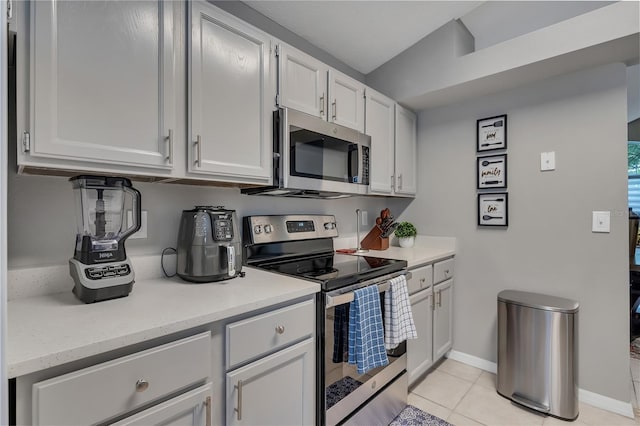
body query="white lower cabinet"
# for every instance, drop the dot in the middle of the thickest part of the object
(161, 377)
(274, 383)
(189, 409)
(432, 308)
(442, 318)
(276, 390)
(420, 350)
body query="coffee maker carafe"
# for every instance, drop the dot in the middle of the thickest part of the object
(208, 245)
(100, 267)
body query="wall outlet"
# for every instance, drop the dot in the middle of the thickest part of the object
(547, 161)
(142, 233)
(364, 217)
(601, 222)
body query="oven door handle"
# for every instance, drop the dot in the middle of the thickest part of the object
(341, 299)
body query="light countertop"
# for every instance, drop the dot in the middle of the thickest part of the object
(53, 329)
(427, 249)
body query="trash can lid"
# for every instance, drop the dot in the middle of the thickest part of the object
(539, 301)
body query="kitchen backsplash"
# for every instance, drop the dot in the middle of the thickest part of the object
(41, 216)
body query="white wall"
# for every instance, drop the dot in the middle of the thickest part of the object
(548, 246)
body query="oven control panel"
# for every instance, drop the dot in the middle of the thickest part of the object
(269, 229)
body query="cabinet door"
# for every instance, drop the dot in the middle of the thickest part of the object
(420, 350)
(191, 408)
(102, 81)
(405, 151)
(276, 390)
(380, 125)
(442, 319)
(346, 101)
(231, 98)
(302, 82)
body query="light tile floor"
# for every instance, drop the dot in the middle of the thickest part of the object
(465, 395)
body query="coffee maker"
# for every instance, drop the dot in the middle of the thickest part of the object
(209, 245)
(100, 267)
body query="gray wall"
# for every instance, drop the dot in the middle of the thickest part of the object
(41, 221)
(548, 246)
(413, 68)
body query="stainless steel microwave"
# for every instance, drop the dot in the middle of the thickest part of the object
(316, 159)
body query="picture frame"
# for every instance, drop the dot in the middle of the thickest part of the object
(491, 133)
(491, 171)
(493, 209)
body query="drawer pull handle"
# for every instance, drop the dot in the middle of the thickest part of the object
(239, 409)
(208, 406)
(446, 272)
(141, 385)
(280, 329)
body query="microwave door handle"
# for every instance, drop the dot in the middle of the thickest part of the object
(352, 163)
(231, 261)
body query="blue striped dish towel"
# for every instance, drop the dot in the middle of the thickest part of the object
(398, 319)
(366, 333)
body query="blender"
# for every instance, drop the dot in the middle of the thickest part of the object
(100, 267)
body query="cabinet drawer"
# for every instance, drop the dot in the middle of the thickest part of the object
(102, 391)
(442, 271)
(421, 278)
(257, 335)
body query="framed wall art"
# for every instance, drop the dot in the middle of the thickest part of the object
(492, 133)
(491, 172)
(493, 209)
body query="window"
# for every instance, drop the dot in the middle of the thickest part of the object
(633, 171)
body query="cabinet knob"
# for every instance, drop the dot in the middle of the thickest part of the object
(280, 329)
(446, 272)
(141, 385)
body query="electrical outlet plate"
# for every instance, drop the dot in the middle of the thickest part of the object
(364, 218)
(142, 233)
(547, 161)
(601, 221)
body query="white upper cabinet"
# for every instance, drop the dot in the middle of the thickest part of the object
(405, 159)
(231, 97)
(346, 101)
(302, 82)
(101, 83)
(380, 125)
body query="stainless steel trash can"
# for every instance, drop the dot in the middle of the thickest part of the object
(537, 352)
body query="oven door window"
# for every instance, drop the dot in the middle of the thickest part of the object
(317, 156)
(341, 378)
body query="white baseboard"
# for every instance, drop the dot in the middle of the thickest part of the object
(474, 361)
(591, 398)
(606, 403)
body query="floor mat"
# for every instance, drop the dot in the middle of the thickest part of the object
(338, 390)
(635, 348)
(412, 416)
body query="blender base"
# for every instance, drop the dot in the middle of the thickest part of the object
(90, 295)
(97, 290)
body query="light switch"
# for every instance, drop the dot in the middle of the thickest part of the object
(547, 161)
(601, 222)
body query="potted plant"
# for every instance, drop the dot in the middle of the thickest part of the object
(406, 234)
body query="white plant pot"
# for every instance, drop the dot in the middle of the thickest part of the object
(406, 241)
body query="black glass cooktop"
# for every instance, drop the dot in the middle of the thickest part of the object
(336, 270)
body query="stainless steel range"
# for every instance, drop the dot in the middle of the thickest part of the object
(302, 246)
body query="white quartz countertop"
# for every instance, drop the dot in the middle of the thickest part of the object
(53, 329)
(427, 249)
